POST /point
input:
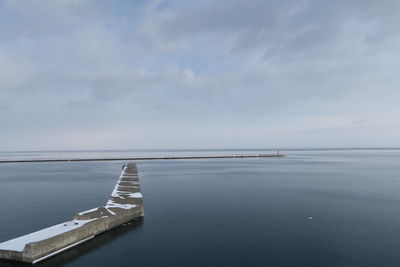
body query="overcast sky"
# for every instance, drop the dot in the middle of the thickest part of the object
(99, 74)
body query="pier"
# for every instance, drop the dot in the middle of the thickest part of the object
(125, 204)
(277, 155)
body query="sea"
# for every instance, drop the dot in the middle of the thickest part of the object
(314, 207)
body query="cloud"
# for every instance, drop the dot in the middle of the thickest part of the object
(159, 74)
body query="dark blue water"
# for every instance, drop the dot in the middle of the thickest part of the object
(236, 212)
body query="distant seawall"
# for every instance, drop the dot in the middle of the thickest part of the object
(125, 204)
(277, 155)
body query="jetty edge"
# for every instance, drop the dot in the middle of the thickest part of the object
(277, 155)
(124, 205)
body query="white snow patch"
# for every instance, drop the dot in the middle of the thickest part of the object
(122, 206)
(112, 204)
(136, 195)
(124, 194)
(18, 244)
(87, 211)
(110, 211)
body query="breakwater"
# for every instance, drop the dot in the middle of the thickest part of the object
(277, 155)
(125, 204)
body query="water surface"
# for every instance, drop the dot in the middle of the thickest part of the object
(312, 208)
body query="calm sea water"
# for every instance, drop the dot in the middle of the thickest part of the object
(312, 208)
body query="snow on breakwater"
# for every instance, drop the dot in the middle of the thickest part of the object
(125, 204)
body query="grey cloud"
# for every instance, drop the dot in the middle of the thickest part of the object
(282, 27)
(272, 71)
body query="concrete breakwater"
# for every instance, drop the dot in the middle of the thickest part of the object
(277, 155)
(125, 204)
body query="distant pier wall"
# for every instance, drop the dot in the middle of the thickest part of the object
(125, 204)
(277, 155)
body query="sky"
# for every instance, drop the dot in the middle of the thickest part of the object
(99, 74)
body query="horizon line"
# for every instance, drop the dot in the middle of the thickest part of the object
(198, 149)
